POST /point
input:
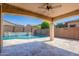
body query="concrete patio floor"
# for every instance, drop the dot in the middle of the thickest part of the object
(41, 47)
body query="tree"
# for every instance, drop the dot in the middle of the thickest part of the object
(60, 25)
(44, 25)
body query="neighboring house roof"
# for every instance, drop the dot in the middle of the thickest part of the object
(73, 21)
(7, 23)
(10, 23)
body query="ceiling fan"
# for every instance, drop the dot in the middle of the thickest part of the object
(49, 6)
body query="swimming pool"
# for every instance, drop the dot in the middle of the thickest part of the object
(19, 35)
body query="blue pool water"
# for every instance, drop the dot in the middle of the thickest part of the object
(20, 36)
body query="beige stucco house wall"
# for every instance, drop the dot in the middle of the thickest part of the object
(18, 28)
(11, 27)
(28, 28)
(7, 26)
(75, 23)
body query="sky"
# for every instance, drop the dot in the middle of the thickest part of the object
(25, 20)
(22, 20)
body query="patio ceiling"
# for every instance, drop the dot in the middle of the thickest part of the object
(33, 9)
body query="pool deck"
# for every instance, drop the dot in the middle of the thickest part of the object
(20, 41)
(41, 47)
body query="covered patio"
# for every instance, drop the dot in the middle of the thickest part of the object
(30, 9)
(41, 47)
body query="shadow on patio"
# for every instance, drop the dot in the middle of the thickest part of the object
(35, 49)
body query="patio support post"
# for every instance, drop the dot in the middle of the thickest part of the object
(52, 30)
(0, 29)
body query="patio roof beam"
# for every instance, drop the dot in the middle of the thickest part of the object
(73, 13)
(7, 8)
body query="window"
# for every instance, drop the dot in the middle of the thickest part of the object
(73, 25)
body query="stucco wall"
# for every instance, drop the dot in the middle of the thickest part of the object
(72, 33)
(18, 29)
(42, 32)
(8, 28)
(28, 28)
(74, 23)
